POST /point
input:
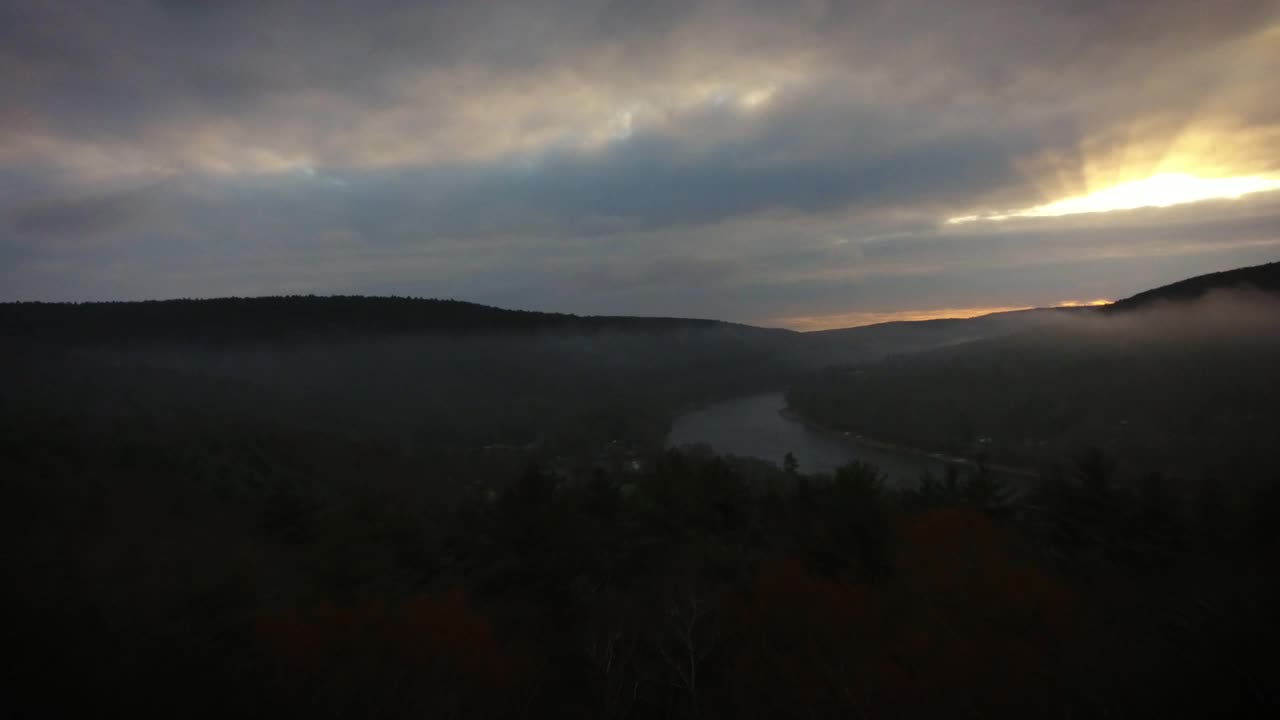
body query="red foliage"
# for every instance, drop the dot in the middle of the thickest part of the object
(430, 653)
(989, 631)
(807, 645)
(968, 625)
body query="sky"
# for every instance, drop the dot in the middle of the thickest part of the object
(801, 164)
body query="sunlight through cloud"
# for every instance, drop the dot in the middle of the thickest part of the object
(1161, 190)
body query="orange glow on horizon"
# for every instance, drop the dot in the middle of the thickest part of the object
(1083, 303)
(837, 321)
(807, 323)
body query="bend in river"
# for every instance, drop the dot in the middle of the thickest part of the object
(752, 426)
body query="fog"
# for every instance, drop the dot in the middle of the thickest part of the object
(1186, 388)
(228, 482)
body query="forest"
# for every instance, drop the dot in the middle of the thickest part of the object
(640, 359)
(570, 388)
(255, 572)
(190, 569)
(1188, 389)
(302, 508)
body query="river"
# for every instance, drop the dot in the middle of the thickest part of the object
(752, 427)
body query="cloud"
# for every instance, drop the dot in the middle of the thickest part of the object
(261, 87)
(77, 216)
(743, 159)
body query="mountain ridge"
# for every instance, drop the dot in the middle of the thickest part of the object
(303, 316)
(352, 316)
(1264, 277)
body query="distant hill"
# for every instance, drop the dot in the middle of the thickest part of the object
(1188, 385)
(457, 374)
(300, 317)
(1258, 277)
(438, 373)
(322, 318)
(872, 342)
(309, 317)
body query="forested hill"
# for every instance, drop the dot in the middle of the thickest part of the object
(438, 373)
(872, 342)
(1179, 386)
(1265, 278)
(296, 317)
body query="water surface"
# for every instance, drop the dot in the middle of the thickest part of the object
(751, 427)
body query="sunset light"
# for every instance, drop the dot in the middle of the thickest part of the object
(1161, 190)
(692, 359)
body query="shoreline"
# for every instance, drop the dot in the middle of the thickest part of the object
(862, 440)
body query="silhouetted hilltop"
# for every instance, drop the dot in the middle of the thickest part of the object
(439, 373)
(1188, 383)
(1259, 277)
(396, 508)
(872, 342)
(301, 316)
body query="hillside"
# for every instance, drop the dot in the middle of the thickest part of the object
(361, 507)
(456, 374)
(437, 373)
(312, 319)
(872, 342)
(1182, 386)
(299, 317)
(1258, 277)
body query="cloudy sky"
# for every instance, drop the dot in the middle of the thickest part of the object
(799, 164)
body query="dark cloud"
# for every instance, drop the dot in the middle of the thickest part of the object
(354, 83)
(84, 216)
(746, 159)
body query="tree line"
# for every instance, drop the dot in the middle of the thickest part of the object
(258, 570)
